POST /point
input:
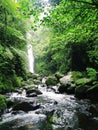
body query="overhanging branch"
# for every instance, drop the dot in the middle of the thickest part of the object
(93, 3)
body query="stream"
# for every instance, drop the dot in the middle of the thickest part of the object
(56, 112)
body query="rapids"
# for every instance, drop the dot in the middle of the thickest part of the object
(56, 112)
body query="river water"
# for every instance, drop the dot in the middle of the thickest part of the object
(57, 112)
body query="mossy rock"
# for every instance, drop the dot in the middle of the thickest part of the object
(83, 81)
(33, 75)
(28, 82)
(92, 93)
(33, 90)
(71, 90)
(66, 84)
(68, 88)
(83, 85)
(62, 88)
(36, 81)
(51, 80)
(81, 91)
(66, 80)
(76, 75)
(58, 75)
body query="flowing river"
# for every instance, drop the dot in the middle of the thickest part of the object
(56, 112)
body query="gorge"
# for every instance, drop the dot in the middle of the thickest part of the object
(48, 65)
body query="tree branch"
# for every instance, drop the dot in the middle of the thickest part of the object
(93, 3)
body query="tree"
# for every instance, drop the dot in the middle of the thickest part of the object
(75, 24)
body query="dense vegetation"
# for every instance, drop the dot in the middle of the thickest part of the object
(73, 43)
(12, 42)
(67, 42)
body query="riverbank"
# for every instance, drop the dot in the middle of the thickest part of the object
(42, 107)
(82, 87)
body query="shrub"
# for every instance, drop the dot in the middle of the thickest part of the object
(76, 75)
(2, 102)
(91, 73)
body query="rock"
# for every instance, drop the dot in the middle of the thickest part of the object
(9, 102)
(92, 93)
(86, 89)
(81, 91)
(58, 75)
(18, 90)
(71, 89)
(66, 80)
(67, 84)
(28, 82)
(28, 87)
(83, 81)
(51, 80)
(94, 110)
(62, 89)
(33, 90)
(54, 88)
(33, 76)
(17, 112)
(36, 81)
(32, 95)
(26, 106)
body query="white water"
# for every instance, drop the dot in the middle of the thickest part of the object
(30, 58)
(30, 53)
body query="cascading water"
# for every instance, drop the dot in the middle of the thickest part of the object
(30, 54)
(55, 112)
(30, 58)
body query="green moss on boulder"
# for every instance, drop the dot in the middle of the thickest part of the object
(92, 93)
(51, 80)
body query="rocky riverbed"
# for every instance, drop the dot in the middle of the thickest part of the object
(42, 107)
(49, 111)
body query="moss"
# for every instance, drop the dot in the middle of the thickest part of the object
(51, 80)
(76, 75)
(91, 73)
(83, 81)
(58, 75)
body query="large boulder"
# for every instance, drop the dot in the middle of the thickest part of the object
(92, 93)
(33, 91)
(81, 91)
(66, 80)
(58, 75)
(83, 84)
(66, 84)
(51, 81)
(36, 81)
(34, 76)
(28, 87)
(26, 106)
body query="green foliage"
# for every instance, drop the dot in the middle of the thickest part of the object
(51, 80)
(83, 81)
(77, 75)
(73, 44)
(91, 73)
(12, 46)
(2, 102)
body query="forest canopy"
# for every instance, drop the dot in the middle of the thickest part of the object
(73, 45)
(68, 39)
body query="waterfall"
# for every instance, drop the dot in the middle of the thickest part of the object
(30, 58)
